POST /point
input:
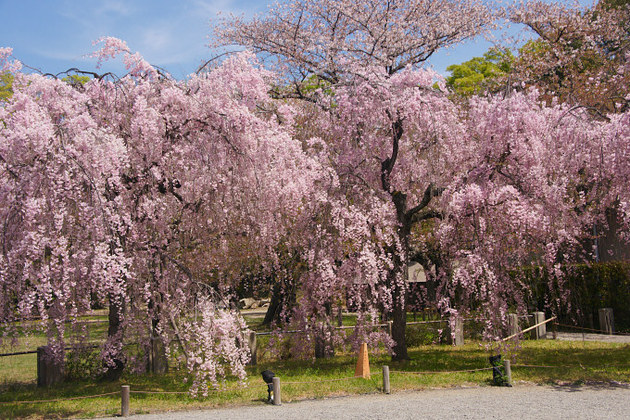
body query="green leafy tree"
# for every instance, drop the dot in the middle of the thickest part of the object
(6, 86)
(480, 74)
(76, 80)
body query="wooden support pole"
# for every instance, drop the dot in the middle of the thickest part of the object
(277, 398)
(541, 330)
(528, 329)
(508, 372)
(124, 401)
(386, 388)
(457, 335)
(513, 327)
(389, 327)
(49, 372)
(252, 348)
(606, 320)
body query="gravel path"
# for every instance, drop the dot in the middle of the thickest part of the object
(599, 401)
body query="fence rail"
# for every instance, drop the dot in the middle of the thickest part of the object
(591, 329)
(381, 325)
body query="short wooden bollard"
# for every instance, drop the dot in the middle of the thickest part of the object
(277, 398)
(252, 348)
(49, 372)
(513, 326)
(124, 401)
(457, 334)
(540, 331)
(606, 320)
(386, 388)
(508, 372)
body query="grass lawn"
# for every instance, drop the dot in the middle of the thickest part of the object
(577, 362)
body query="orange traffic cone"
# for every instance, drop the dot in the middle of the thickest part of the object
(363, 363)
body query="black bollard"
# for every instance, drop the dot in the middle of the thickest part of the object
(499, 378)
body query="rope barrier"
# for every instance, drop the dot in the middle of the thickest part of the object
(321, 380)
(132, 391)
(18, 353)
(441, 371)
(118, 393)
(590, 329)
(157, 392)
(568, 367)
(343, 327)
(303, 382)
(61, 399)
(427, 322)
(543, 366)
(440, 321)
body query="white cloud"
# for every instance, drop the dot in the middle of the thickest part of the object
(157, 38)
(120, 8)
(173, 35)
(211, 8)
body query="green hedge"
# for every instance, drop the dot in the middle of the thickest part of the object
(590, 287)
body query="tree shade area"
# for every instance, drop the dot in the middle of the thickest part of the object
(315, 180)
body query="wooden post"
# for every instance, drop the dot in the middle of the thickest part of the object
(277, 398)
(389, 327)
(457, 335)
(339, 316)
(541, 330)
(41, 366)
(386, 388)
(606, 320)
(513, 324)
(124, 401)
(508, 372)
(252, 348)
(363, 363)
(158, 361)
(49, 372)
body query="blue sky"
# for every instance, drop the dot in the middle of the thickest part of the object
(54, 36)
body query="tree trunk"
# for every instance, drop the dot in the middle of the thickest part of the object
(158, 362)
(282, 298)
(275, 306)
(405, 217)
(398, 277)
(324, 346)
(324, 349)
(399, 313)
(115, 316)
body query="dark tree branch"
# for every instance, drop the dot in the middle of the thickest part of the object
(426, 215)
(426, 199)
(387, 166)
